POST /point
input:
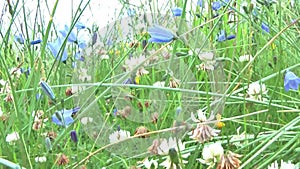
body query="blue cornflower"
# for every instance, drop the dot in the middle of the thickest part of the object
(177, 11)
(19, 38)
(200, 3)
(265, 27)
(291, 81)
(221, 36)
(80, 25)
(72, 37)
(35, 41)
(64, 117)
(55, 47)
(216, 5)
(159, 34)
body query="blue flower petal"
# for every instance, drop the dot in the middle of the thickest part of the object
(55, 47)
(265, 27)
(72, 37)
(19, 38)
(130, 12)
(216, 5)
(221, 36)
(200, 3)
(291, 81)
(230, 37)
(35, 41)
(159, 34)
(66, 115)
(80, 25)
(177, 11)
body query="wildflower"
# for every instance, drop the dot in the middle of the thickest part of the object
(159, 84)
(160, 35)
(152, 164)
(83, 76)
(52, 135)
(130, 12)
(47, 90)
(174, 83)
(64, 32)
(245, 58)
(229, 37)
(48, 144)
(171, 148)
(62, 159)
(85, 120)
(40, 159)
(119, 135)
(69, 91)
(38, 124)
(200, 3)
(256, 90)
(141, 71)
(291, 81)
(14, 136)
(19, 38)
(283, 165)
(73, 136)
(221, 36)
(124, 112)
(229, 161)
(202, 132)
(211, 154)
(55, 47)
(64, 117)
(265, 27)
(34, 42)
(154, 117)
(216, 5)
(80, 25)
(141, 130)
(177, 11)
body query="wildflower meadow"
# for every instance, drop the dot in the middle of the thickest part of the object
(150, 84)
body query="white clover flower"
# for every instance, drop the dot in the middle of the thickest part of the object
(104, 57)
(119, 136)
(201, 117)
(164, 148)
(14, 136)
(256, 90)
(284, 165)
(40, 159)
(211, 153)
(245, 58)
(152, 163)
(159, 84)
(83, 76)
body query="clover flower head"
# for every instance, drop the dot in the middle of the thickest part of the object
(229, 161)
(283, 165)
(245, 58)
(40, 159)
(291, 81)
(256, 91)
(150, 164)
(211, 153)
(12, 137)
(177, 11)
(119, 135)
(160, 35)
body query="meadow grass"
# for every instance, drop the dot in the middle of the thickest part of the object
(117, 70)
